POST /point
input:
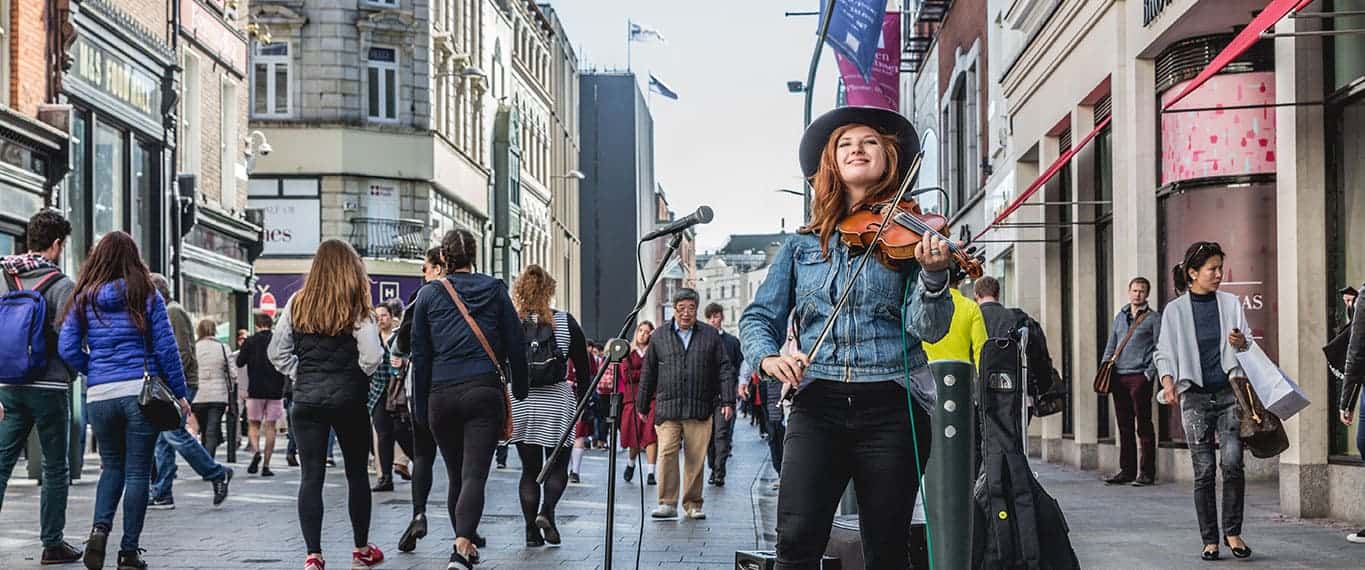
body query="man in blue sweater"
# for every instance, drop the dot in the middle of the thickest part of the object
(1132, 341)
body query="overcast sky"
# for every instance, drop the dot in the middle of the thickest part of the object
(730, 139)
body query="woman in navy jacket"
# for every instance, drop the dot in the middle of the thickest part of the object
(115, 331)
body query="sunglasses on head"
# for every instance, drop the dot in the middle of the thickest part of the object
(1213, 245)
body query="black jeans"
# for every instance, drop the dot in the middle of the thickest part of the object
(466, 419)
(776, 433)
(311, 426)
(722, 436)
(1204, 414)
(841, 431)
(391, 428)
(532, 461)
(423, 466)
(210, 418)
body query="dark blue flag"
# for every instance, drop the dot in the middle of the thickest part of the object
(658, 86)
(854, 30)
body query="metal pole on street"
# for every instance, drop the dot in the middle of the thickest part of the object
(810, 88)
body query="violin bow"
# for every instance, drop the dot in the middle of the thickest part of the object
(886, 221)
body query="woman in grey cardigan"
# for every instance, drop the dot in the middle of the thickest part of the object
(1201, 333)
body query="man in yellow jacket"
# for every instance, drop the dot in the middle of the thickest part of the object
(966, 335)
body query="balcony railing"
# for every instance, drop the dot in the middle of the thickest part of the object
(390, 238)
(1151, 9)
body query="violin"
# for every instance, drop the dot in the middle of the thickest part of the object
(907, 226)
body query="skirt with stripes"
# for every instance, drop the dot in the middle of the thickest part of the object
(543, 417)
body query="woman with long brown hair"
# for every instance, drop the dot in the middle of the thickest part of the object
(116, 331)
(637, 434)
(540, 422)
(865, 390)
(465, 339)
(327, 341)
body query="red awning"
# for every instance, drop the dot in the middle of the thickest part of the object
(1051, 171)
(1275, 11)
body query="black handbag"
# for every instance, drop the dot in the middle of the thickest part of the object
(158, 404)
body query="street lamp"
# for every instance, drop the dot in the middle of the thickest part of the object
(790, 191)
(796, 87)
(574, 174)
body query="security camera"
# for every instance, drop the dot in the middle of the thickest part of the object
(265, 149)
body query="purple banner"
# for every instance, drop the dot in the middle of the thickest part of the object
(883, 90)
(275, 289)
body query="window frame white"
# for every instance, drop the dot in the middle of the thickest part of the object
(228, 146)
(382, 3)
(271, 62)
(384, 88)
(191, 113)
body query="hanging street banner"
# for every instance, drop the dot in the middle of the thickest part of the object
(883, 90)
(853, 31)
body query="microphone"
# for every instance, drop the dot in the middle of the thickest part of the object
(703, 215)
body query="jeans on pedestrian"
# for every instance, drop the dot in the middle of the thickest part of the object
(1133, 411)
(1210, 416)
(312, 425)
(210, 419)
(126, 441)
(391, 428)
(466, 419)
(26, 408)
(777, 432)
(722, 438)
(180, 441)
(840, 431)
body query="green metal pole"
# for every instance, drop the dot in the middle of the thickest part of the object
(948, 477)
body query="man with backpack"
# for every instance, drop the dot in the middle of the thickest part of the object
(1045, 385)
(34, 382)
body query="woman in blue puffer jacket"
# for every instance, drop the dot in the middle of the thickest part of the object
(114, 331)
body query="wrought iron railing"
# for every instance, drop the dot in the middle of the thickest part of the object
(1151, 9)
(390, 238)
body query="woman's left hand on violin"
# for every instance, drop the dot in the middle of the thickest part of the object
(932, 254)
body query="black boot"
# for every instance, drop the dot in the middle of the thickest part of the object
(417, 529)
(546, 523)
(384, 484)
(94, 548)
(533, 538)
(131, 560)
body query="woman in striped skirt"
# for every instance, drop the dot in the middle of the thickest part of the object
(539, 422)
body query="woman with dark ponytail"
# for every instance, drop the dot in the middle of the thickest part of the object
(466, 339)
(1201, 333)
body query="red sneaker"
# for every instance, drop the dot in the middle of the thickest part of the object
(314, 563)
(368, 559)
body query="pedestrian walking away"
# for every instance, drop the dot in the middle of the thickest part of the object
(265, 392)
(723, 420)
(466, 338)
(326, 341)
(637, 430)
(392, 420)
(35, 394)
(853, 408)
(541, 420)
(116, 331)
(1201, 333)
(1132, 343)
(686, 372)
(180, 440)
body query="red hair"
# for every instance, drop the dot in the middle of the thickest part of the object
(830, 202)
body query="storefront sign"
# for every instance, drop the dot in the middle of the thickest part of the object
(209, 30)
(293, 226)
(274, 290)
(1219, 142)
(117, 78)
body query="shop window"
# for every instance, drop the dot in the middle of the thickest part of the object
(78, 191)
(143, 226)
(383, 3)
(228, 147)
(1104, 240)
(1346, 205)
(9, 245)
(109, 173)
(191, 130)
(382, 76)
(271, 96)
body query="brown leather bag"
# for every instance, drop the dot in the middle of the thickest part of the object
(1261, 431)
(488, 349)
(1104, 377)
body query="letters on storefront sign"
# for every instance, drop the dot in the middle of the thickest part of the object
(119, 79)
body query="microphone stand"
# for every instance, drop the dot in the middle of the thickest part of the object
(615, 351)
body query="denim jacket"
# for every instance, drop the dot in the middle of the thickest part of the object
(866, 342)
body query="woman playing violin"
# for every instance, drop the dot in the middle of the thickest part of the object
(851, 418)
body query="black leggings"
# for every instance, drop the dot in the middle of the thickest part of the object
(423, 466)
(391, 428)
(532, 460)
(466, 420)
(311, 425)
(210, 418)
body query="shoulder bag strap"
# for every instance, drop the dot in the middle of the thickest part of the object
(1131, 330)
(473, 325)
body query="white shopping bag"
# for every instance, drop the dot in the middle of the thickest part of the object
(1278, 393)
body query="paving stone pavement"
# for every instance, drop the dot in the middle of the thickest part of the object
(257, 526)
(1111, 527)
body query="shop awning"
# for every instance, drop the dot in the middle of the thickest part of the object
(1051, 171)
(1275, 11)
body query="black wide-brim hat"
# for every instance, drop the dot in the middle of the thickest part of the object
(882, 120)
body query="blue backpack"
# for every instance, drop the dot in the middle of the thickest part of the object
(24, 334)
